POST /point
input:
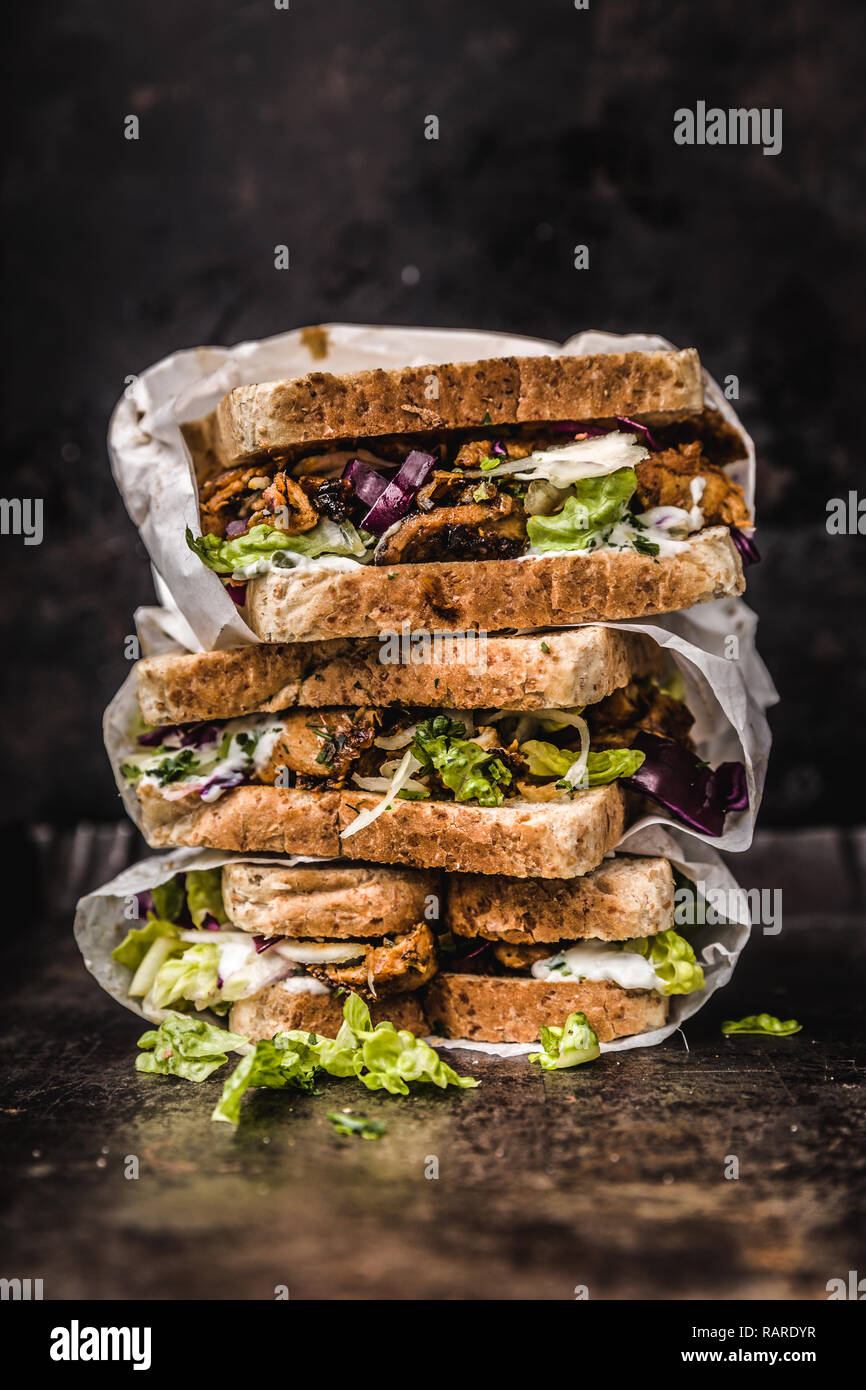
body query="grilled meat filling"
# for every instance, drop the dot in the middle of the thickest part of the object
(388, 967)
(320, 744)
(639, 706)
(460, 532)
(664, 480)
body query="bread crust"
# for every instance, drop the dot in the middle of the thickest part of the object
(623, 898)
(501, 1008)
(274, 416)
(577, 667)
(274, 1010)
(308, 605)
(327, 900)
(526, 839)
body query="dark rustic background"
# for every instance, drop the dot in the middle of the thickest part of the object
(306, 126)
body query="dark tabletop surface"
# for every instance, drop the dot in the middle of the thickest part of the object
(611, 1176)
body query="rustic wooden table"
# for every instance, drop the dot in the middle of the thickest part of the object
(612, 1176)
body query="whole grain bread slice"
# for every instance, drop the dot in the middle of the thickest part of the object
(326, 900)
(520, 838)
(625, 897)
(501, 1008)
(276, 416)
(553, 670)
(276, 1009)
(310, 605)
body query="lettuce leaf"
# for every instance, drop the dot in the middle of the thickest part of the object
(595, 505)
(470, 772)
(762, 1023)
(138, 940)
(381, 1058)
(168, 899)
(673, 960)
(385, 1059)
(192, 975)
(276, 1063)
(204, 895)
(568, 1046)
(546, 760)
(253, 551)
(357, 1125)
(187, 1047)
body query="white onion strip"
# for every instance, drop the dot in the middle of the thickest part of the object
(408, 765)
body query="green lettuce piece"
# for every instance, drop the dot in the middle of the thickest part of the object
(385, 1059)
(263, 542)
(187, 1047)
(569, 1046)
(357, 1125)
(138, 940)
(610, 763)
(470, 772)
(673, 960)
(546, 760)
(192, 975)
(204, 895)
(275, 1063)
(168, 899)
(595, 505)
(762, 1023)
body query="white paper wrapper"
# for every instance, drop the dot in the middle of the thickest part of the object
(730, 724)
(154, 471)
(100, 925)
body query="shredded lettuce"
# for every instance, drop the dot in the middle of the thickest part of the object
(469, 771)
(568, 1046)
(191, 975)
(168, 899)
(381, 1058)
(204, 896)
(546, 760)
(253, 552)
(762, 1023)
(275, 1063)
(673, 960)
(594, 506)
(187, 1047)
(138, 940)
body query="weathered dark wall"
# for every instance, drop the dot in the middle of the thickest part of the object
(306, 127)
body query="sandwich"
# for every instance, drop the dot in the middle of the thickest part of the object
(531, 764)
(521, 956)
(505, 493)
(279, 947)
(271, 947)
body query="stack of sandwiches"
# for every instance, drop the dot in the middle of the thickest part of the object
(419, 768)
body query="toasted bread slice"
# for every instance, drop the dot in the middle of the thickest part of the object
(501, 1008)
(276, 1010)
(624, 897)
(308, 605)
(326, 900)
(521, 838)
(555, 670)
(275, 416)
